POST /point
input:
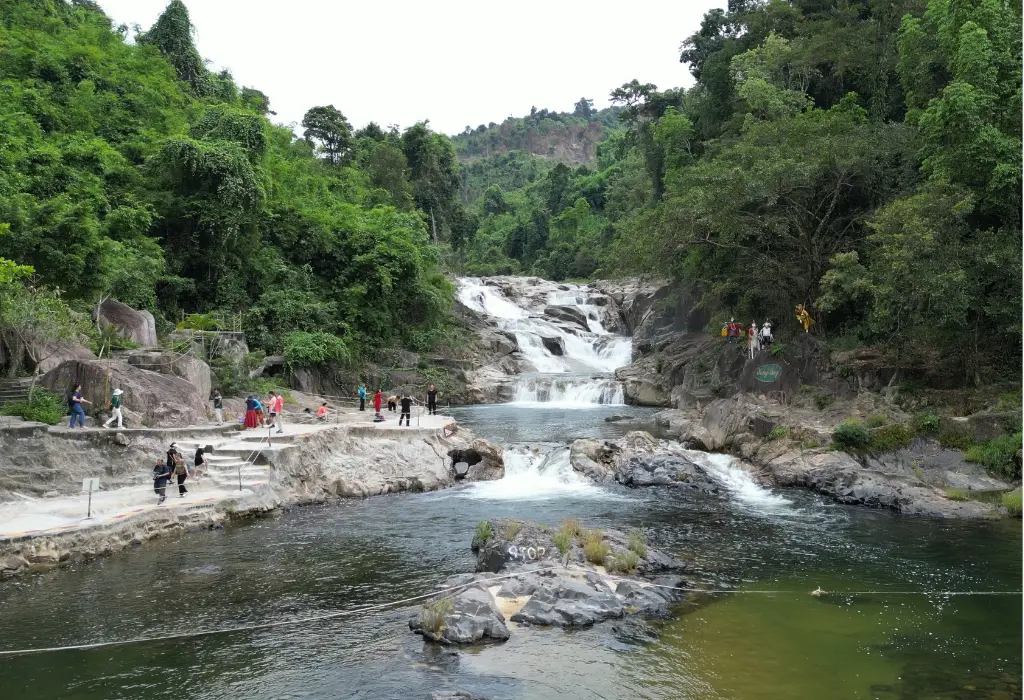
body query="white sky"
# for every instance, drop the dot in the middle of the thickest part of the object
(454, 62)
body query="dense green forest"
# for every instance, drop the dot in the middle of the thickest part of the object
(128, 170)
(861, 158)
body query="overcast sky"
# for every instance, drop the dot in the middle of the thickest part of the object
(454, 62)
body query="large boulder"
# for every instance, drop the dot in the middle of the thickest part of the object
(567, 314)
(161, 400)
(595, 459)
(642, 385)
(471, 615)
(554, 344)
(194, 371)
(483, 459)
(137, 326)
(54, 353)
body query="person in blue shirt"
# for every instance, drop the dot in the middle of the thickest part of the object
(75, 402)
(362, 397)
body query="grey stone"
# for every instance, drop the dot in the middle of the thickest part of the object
(474, 616)
(568, 314)
(137, 326)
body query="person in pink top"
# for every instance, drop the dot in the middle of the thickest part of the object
(277, 407)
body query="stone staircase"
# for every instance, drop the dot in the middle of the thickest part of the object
(236, 460)
(14, 390)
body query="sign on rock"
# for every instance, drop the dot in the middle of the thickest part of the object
(767, 373)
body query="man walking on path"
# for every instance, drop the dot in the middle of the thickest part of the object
(406, 411)
(272, 408)
(432, 400)
(161, 475)
(362, 397)
(75, 402)
(115, 410)
(218, 406)
(180, 472)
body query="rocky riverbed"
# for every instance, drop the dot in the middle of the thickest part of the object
(533, 575)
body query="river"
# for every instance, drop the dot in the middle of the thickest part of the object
(350, 554)
(888, 630)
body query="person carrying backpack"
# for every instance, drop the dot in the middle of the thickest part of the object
(115, 410)
(161, 475)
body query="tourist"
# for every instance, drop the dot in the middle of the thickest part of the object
(377, 399)
(406, 411)
(279, 411)
(321, 413)
(75, 402)
(115, 410)
(258, 408)
(392, 403)
(432, 400)
(198, 462)
(753, 339)
(251, 421)
(161, 475)
(180, 473)
(362, 397)
(218, 406)
(172, 453)
(272, 409)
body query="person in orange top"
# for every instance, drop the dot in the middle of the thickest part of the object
(321, 413)
(377, 399)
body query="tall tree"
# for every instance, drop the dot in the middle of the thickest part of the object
(328, 128)
(172, 36)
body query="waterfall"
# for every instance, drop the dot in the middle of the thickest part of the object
(722, 468)
(535, 472)
(554, 341)
(568, 392)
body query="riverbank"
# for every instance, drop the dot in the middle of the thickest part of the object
(48, 521)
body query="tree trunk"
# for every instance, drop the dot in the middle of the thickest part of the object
(433, 225)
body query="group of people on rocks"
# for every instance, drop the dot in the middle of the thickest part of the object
(761, 338)
(259, 415)
(175, 467)
(395, 401)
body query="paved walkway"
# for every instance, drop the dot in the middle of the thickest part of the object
(231, 473)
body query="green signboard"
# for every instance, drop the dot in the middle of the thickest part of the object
(767, 373)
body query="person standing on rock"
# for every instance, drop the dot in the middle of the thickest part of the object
(180, 473)
(198, 464)
(406, 411)
(432, 400)
(272, 409)
(218, 406)
(362, 397)
(75, 402)
(250, 412)
(378, 399)
(161, 475)
(115, 410)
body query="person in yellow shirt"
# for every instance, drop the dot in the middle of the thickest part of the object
(804, 317)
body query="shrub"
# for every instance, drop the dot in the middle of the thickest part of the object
(890, 438)
(511, 529)
(779, 432)
(824, 401)
(573, 528)
(956, 439)
(926, 424)
(998, 455)
(623, 562)
(563, 540)
(481, 534)
(43, 408)
(777, 349)
(637, 544)
(432, 616)
(595, 551)
(957, 495)
(316, 348)
(810, 444)
(1012, 502)
(851, 435)
(876, 420)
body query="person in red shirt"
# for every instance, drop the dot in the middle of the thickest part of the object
(377, 399)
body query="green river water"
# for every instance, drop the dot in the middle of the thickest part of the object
(887, 629)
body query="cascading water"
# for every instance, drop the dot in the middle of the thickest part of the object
(569, 358)
(723, 469)
(534, 472)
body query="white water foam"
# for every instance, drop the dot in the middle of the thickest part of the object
(535, 473)
(568, 392)
(738, 481)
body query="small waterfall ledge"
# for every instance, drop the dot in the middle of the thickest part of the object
(568, 340)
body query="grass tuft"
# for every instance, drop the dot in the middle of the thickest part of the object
(594, 548)
(511, 529)
(1012, 503)
(637, 543)
(957, 495)
(779, 432)
(623, 562)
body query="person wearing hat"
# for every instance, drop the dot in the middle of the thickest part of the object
(115, 410)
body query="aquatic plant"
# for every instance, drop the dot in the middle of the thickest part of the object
(563, 540)
(432, 616)
(957, 495)
(594, 548)
(997, 455)
(481, 534)
(511, 529)
(637, 543)
(573, 527)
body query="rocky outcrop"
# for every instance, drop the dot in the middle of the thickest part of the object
(482, 460)
(554, 345)
(53, 354)
(467, 617)
(194, 371)
(137, 326)
(159, 400)
(567, 314)
(523, 578)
